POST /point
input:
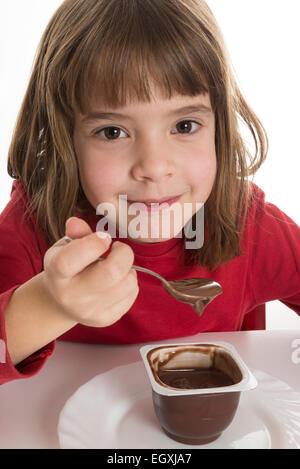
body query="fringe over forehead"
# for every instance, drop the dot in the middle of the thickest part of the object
(110, 51)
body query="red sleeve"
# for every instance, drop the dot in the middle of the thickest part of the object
(22, 250)
(275, 272)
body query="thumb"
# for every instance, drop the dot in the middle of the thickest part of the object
(77, 228)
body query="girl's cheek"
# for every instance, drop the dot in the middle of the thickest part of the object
(202, 173)
(99, 178)
(202, 166)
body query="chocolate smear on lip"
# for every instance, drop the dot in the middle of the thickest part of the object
(198, 292)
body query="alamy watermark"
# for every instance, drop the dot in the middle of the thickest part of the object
(296, 352)
(154, 221)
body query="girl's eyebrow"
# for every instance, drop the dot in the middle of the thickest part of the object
(100, 115)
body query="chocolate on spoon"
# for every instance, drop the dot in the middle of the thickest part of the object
(198, 292)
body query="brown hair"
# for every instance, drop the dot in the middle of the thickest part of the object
(114, 48)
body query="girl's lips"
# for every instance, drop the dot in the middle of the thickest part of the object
(154, 206)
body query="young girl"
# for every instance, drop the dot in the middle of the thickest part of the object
(134, 98)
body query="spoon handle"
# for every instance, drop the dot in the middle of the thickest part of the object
(143, 269)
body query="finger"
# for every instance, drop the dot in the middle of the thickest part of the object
(94, 281)
(77, 228)
(115, 266)
(113, 312)
(69, 259)
(105, 274)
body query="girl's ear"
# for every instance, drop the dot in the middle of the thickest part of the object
(77, 228)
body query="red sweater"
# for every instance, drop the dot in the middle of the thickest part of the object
(267, 270)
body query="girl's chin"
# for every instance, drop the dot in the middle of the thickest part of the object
(149, 240)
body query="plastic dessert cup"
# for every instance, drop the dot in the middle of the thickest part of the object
(196, 388)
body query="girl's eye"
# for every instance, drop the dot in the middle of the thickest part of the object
(115, 133)
(109, 133)
(187, 127)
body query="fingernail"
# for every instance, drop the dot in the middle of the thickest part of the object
(105, 236)
(115, 245)
(69, 219)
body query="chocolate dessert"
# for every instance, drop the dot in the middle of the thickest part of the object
(196, 388)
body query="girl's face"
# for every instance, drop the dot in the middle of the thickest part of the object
(164, 149)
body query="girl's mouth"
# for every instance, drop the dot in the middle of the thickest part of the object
(152, 205)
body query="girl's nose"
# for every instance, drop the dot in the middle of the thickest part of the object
(153, 163)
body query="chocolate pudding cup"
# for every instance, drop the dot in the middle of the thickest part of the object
(196, 388)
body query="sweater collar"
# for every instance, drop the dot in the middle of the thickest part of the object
(139, 248)
(150, 249)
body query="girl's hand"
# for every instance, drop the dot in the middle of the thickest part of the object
(92, 293)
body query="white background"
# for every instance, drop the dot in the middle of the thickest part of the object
(263, 39)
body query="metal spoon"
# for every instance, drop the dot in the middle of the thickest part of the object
(198, 292)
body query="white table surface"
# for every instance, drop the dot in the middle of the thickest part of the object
(30, 408)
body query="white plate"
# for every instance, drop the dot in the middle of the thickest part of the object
(115, 410)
